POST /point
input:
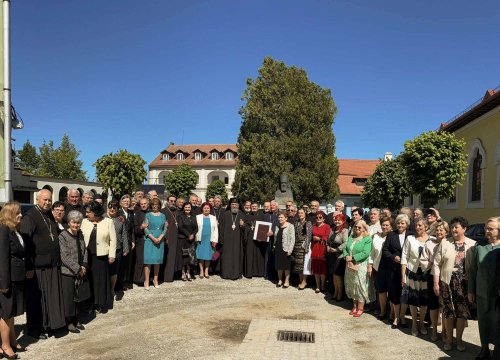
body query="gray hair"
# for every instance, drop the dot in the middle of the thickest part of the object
(218, 197)
(340, 202)
(377, 210)
(423, 220)
(75, 216)
(403, 217)
(89, 193)
(124, 197)
(73, 190)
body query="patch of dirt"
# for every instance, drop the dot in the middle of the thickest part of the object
(300, 316)
(230, 330)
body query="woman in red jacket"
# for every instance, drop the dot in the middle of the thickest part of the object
(320, 233)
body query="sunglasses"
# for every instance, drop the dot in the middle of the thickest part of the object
(319, 217)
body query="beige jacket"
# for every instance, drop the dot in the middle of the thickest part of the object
(105, 237)
(444, 261)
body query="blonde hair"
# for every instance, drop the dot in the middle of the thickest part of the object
(364, 225)
(494, 219)
(8, 214)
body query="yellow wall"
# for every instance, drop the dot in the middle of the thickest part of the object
(486, 129)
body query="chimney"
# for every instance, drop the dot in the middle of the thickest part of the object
(387, 156)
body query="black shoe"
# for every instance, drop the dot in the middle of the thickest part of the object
(19, 349)
(72, 329)
(3, 354)
(484, 353)
(80, 326)
(381, 317)
(394, 326)
(37, 335)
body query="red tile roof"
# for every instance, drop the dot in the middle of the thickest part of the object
(490, 100)
(350, 169)
(189, 151)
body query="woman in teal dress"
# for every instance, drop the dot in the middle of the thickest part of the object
(483, 288)
(154, 236)
(206, 238)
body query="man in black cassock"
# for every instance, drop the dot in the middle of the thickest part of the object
(255, 251)
(44, 299)
(173, 249)
(231, 238)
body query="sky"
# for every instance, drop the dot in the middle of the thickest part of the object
(137, 75)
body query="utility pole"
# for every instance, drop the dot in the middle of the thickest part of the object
(7, 128)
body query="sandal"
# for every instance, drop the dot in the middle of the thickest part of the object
(317, 291)
(358, 313)
(7, 356)
(353, 311)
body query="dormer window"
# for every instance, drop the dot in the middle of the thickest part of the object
(215, 156)
(179, 156)
(197, 155)
(165, 157)
(229, 156)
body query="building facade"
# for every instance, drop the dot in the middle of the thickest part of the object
(478, 198)
(211, 162)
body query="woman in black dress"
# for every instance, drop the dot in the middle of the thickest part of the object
(100, 238)
(188, 228)
(283, 247)
(334, 255)
(12, 274)
(392, 251)
(303, 236)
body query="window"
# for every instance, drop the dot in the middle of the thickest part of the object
(229, 155)
(453, 197)
(475, 175)
(497, 163)
(197, 155)
(226, 180)
(165, 157)
(215, 156)
(179, 156)
(215, 177)
(410, 201)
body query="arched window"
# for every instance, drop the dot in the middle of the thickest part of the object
(165, 157)
(215, 155)
(179, 156)
(197, 155)
(477, 176)
(229, 155)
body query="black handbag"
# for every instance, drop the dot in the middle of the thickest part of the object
(82, 289)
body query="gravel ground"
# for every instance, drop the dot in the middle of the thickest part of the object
(209, 318)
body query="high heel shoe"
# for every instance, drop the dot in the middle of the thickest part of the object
(483, 354)
(7, 356)
(188, 275)
(184, 278)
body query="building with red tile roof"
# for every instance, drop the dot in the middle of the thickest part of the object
(218, 161)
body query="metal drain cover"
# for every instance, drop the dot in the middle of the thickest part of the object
(295, 336)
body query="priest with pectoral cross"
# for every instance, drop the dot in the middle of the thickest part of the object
(231, 238)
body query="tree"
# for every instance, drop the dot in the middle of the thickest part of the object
(120, 173)
(435, 163)
(387, 186)
(286, 129)
(217, 187)
(27, 158)
(61, 162)
(181, 181)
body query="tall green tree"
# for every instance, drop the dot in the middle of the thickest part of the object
(121, 172)
(217, 187)
(286, 129)
(181, 181)
(387, 186)
(435, 162)
(60, 162)
(27, 158)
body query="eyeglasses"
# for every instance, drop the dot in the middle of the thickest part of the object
(490, 229)
(58, 210)
(112, 207)
(319, 217)
(358, 227)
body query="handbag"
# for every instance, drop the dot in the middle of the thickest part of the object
(216, 255)
(82, 289)
(405, 291)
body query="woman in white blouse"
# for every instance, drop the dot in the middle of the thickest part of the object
(414, 272)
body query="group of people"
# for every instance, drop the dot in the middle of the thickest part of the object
(64, 258)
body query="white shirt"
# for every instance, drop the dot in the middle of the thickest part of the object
(414, 254)
(376, 253)
(374, 228)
